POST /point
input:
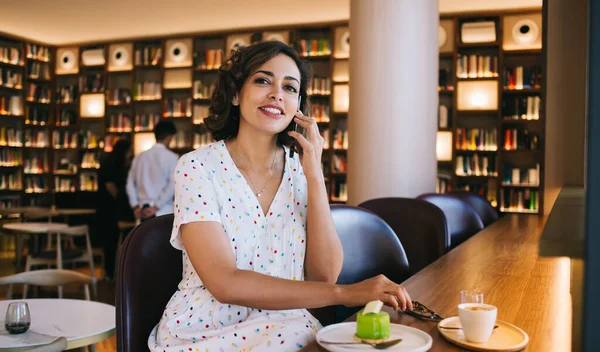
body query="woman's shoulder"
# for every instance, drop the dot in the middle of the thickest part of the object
(208, 154)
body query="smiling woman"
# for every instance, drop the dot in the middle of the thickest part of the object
(253, 222)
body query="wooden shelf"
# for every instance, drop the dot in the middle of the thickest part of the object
(11, 89)
(445, 130)
(147, 67)
(474, 79)
(316, 57)
(488, 45)
(200, 70)
(36, 59)
(517, 211)
(39, 80)
(9, 65)
(476, 112)
(12, 116)
(477, 151)
(445, 92)
(522, 91)
(523, 52)
(519, 121)
(520, 185)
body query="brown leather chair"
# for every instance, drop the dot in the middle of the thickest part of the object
(370, 248)
(148, 274)
(461, 219)
(487, 213)
(420, 226)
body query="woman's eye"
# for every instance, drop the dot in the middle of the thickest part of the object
(291, 89)
(261, 81)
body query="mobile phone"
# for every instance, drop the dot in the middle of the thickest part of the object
(296, 128)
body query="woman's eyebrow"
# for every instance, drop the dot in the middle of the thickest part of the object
(270, 74)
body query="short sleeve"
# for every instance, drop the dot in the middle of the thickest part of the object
(195, 196)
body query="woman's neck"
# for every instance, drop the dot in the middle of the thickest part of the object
(255, 152)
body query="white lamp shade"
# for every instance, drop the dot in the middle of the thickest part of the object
(341, 94)
(92, 106)
(341, 71)
(181, 78)
(443, 147)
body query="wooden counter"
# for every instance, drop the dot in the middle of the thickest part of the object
(502, 261)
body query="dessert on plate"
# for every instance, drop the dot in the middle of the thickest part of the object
(372, 325)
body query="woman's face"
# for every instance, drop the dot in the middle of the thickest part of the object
(269, 97)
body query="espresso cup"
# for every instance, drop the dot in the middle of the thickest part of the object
(477, 321)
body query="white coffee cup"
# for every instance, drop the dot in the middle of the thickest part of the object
(477, 321)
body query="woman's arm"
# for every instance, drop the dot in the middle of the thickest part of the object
(208, 248)
(324, 253)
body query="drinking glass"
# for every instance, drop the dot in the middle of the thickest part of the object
(471, 297)
(17, 318)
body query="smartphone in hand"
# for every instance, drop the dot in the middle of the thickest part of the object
(299, 129)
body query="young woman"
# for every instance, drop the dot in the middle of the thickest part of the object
(259, 245)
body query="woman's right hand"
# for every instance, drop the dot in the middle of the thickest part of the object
(377, 288)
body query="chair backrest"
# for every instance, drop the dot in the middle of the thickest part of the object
(370, 248)
(48, 277)
(420, 226)
(148, 274)
(461, 219)
(487, 213)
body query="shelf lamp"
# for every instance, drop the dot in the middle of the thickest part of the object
(443, 147)
(478, 95)
(177, 79)
(143, 142)
(341, 71)
(92, 106)
(341, 94)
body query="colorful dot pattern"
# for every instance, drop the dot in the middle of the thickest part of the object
(209, 187)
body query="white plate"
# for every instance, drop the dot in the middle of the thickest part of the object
(413, 340)
(506, 337)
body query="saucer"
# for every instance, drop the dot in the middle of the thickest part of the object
(413, 340)
(506, 337)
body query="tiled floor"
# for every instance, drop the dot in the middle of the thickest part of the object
(106, 291)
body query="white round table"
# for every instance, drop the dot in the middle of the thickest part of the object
(82, 323)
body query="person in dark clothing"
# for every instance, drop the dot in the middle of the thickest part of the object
(113, 205)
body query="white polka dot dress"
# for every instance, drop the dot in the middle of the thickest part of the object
(209, 187)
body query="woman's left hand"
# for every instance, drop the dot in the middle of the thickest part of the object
(312, 145)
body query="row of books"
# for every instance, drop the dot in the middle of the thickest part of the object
(199, 113)
(320, 112)
(340, 163)
(178, 107)
(519, 77)
(65, 166)
(10, 157)
(120, 123)
(313, 47)
(201, 139)
(118, 96)
(124, 123)
(519, 139)
(202, 90)
(35, 184)
(444, 80)
(36, 116)
(36, 139)
(339, 191)
(88, 182)
(9, 202)
(11, 137)
(64, 184)
(12, 105)
(64, 139)
(476, 139)
(91, 83)
(512, 199)
(38, 93)
(442, 184)
(90, 160)
(443, 117)
(39, 70)
(340, 139)
(476, 66)
(476, 165)
(11, 182)
(181, 140)
(148, 56)
(521, 108)
(209, 59)
(149, 90)
(89, 140)
(65, 117)
(36, 165)
(521, 176)
(11, 55)
(38, 52)
(319, 86)
(11, 78)
(67, 94)
(325, 134)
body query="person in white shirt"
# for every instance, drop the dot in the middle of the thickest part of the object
(150, 181)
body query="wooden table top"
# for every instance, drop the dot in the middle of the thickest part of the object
(502, 261)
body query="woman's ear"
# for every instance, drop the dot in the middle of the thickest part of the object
(235, 101)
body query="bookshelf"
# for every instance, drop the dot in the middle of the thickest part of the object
(497, 119)
(100, 92)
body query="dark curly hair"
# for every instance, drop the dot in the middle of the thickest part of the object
(224, 118)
